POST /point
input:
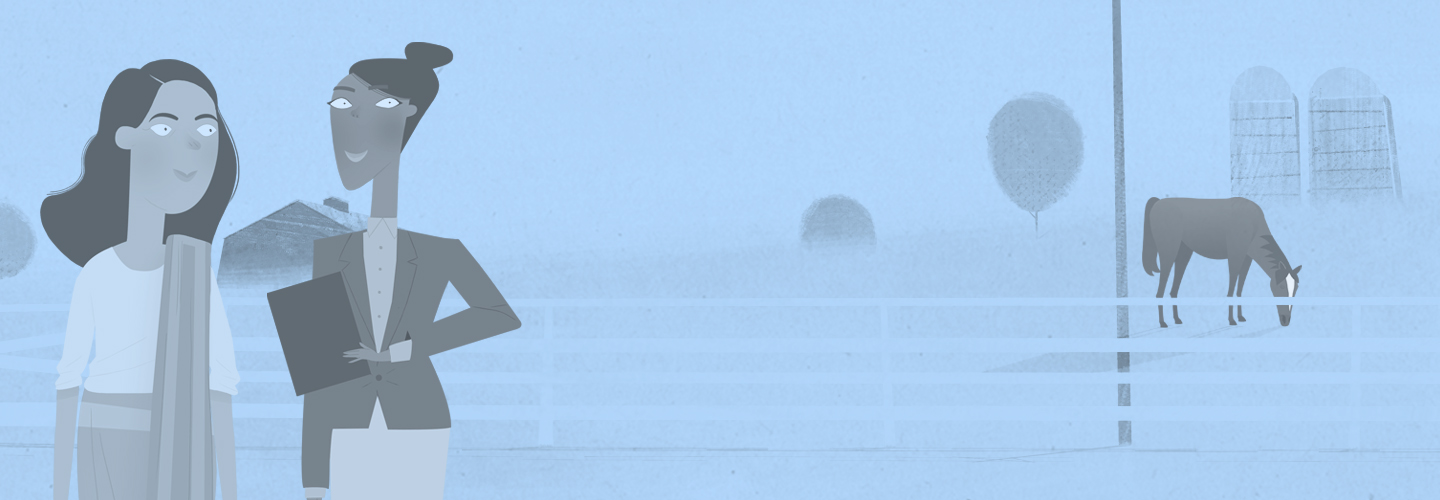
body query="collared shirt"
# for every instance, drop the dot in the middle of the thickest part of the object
(380, 273)
(118, 309)
(380, 258)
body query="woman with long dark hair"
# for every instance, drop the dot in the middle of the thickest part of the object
(158, 175)
(396, 278)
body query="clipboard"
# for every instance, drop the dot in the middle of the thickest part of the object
(317, 324)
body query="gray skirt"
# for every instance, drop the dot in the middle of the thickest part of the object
(114, 446)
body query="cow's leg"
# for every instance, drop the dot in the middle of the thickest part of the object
(1240, 288)
(1181, 261)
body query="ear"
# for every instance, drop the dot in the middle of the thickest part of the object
(1296, 271)
(125, 137)
(410, 110)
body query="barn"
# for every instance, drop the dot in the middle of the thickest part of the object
(278, 249)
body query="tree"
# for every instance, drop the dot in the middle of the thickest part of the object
(836, 220)
(17, 241)
(1036, 148)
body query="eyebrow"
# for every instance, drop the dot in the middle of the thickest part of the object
(165, 115)
(207, 116)
(378, 88)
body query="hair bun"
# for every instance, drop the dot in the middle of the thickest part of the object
(428, 54)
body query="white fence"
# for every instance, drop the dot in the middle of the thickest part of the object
(866, 373)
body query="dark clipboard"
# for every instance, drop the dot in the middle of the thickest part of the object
(317, 324)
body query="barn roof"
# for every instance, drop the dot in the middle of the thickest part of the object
(313, 220)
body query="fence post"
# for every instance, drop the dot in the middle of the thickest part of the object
(1122, 313)
(889, 383)
(1351, 439)
(547, 388)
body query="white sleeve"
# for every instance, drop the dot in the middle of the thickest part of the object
(79, 334)
(223, 376)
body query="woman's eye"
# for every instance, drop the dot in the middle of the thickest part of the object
(340, 103)
(160, 129)
(206, 130)
(388, 102)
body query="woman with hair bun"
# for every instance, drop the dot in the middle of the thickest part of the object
(386, 435)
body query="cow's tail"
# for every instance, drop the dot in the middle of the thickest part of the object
(1149, 253)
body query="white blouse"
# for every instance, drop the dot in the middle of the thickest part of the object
(380, 259)
(118, 308)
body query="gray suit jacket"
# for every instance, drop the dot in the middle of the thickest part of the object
(409, 391)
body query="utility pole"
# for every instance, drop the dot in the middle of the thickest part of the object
(1122, 312)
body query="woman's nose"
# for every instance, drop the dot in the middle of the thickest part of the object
(355, 112)
(191, 142)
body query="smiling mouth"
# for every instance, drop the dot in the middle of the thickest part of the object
(356, 157)
(184, 177)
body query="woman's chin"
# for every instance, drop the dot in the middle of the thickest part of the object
(351, 186)
(175, 207)
(350, 182)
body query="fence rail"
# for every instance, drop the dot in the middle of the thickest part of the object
(889, 302)
(556, 382)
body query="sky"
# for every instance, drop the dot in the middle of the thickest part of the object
(684, 127)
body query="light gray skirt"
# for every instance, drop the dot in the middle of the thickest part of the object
(114, 442)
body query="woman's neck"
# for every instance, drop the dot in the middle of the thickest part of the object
(385, 191)
(144, 246)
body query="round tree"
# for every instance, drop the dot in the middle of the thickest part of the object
(1036, 149)
(836, 220)
(17, 241)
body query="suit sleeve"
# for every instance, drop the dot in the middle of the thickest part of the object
(316, 425)
(488, 314)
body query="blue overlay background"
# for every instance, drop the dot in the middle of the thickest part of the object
(632, 176)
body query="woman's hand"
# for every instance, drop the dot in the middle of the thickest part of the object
(222, 416)
(367, 354)
(67, 406)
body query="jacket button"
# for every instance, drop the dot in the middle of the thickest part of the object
(377, 378)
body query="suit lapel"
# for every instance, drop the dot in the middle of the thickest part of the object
(404, 277)
(353, 255)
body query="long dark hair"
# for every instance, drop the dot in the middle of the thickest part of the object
(93, 213)
(412, 77)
